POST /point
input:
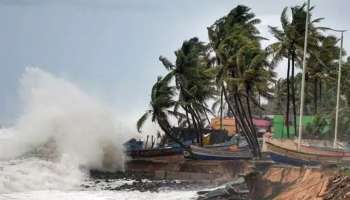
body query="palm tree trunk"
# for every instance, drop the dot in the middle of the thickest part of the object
(195, 125)
(197, 117)
(241, 109)
(200, 125)
(320, 91)
(288, 97)
(315, 95)
(251, 146)
(206, 115)
(152, 142)
(259, 102)
(166, 128)
(248, 117)
(221, 107)
(293, 94)
(245, 122)
(146, 144)
(250, 113)
(236, 125)
(194, 121)
(187, 117)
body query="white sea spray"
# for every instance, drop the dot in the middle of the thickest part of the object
(61, 133)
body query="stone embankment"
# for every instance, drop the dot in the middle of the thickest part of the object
(283, 183)
(238, 179)
(176, 168)
(289, 183)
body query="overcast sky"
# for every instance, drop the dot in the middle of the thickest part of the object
(110, 48)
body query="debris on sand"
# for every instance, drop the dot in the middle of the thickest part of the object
(234, 190)
(338, 187)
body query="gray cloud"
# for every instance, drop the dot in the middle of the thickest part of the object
(110, 47)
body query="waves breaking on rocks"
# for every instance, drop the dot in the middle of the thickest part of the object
(61, 133)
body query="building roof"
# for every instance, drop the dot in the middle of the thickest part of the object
(261, 122)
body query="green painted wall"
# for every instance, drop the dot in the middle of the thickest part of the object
(279, 129)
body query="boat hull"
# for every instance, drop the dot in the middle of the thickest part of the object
(288, 154)
(155, 152)
(290, 160)
(199, 153)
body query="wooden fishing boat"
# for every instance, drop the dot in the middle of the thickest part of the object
(164, 151)
(326, 150)
(286, 151)
(200, 153)
(240, 143)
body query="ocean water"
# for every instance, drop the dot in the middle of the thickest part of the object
(98, 195)
(33, 178)
(61, 134)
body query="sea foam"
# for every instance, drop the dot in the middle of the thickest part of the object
(61, 133)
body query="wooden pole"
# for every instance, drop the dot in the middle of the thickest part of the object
(338, 92)
(303, 77)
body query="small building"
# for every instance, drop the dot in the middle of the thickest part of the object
(261, 125)
(228, 124)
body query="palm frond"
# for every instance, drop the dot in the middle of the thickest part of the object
(167, 64)
(142, 120)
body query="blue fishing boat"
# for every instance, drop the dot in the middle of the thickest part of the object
(291, 161)
(236, 140)
(200, 153)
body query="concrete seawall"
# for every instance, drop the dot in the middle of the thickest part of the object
(177, 168)
(265, 180)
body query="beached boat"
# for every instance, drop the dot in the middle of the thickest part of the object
(238, 141)
(286, 151)
(200, 153)
(164, 151)
(318, 145)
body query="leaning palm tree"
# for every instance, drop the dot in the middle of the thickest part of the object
(256, 75)
(229, 37)
(162, 102)
(194, 81)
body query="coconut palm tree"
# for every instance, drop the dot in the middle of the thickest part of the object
(194, 81)
(290, 44)
(279, 96)
(255, 76)
(231, 38)
(346, 81)
(162, 101)
(321, 65)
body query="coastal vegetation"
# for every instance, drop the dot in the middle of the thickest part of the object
(234, 75)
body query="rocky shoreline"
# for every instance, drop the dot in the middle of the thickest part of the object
(138, 181)
(275, 182)
(144, 182)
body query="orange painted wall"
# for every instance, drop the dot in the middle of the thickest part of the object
(229, 124)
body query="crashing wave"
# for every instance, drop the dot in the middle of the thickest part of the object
(61, 131)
